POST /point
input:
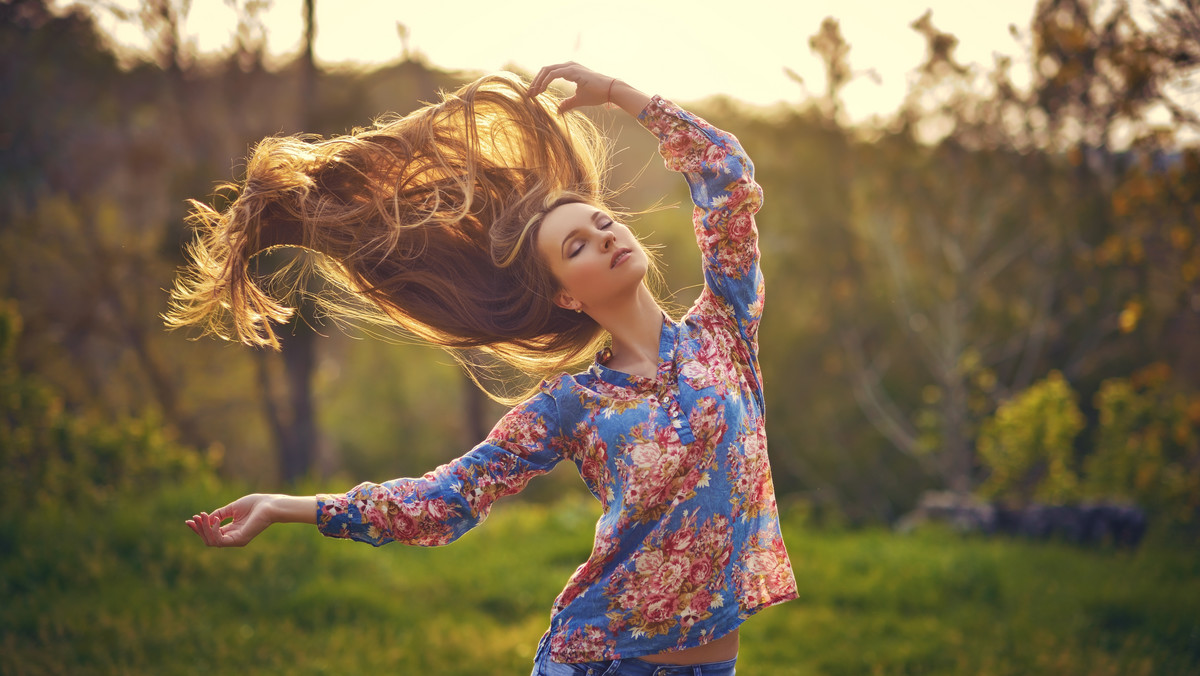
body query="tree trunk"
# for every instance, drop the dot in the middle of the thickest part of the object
(299, 357)
(291, 411)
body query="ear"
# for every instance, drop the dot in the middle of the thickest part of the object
(567, 301)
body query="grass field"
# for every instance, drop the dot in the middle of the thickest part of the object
(129, 590)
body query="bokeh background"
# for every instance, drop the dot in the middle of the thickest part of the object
(981, 245)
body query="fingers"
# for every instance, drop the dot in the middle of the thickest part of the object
(231, 510)
(196, 524)
(581, 76)
(569, 104)
(545, 76)
(208, 527)
(244, 517)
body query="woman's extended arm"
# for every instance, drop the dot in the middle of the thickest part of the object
(431, 510)
(251, 515)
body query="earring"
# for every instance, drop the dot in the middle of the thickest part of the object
(577, 310)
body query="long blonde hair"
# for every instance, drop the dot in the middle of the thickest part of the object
(426, 224)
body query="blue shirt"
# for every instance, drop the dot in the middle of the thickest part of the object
(688, 545)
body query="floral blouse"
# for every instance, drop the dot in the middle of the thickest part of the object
(688, 545)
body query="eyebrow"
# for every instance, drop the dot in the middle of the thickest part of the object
(597, 217)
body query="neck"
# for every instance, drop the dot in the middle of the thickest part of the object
(635, 326)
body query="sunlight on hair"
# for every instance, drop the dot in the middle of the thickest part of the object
(421, 225)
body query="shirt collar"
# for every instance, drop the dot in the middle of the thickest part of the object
(667, 341)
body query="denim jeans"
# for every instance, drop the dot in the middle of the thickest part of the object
(542, 666)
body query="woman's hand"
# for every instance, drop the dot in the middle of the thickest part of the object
(250, 516)
(591, 88)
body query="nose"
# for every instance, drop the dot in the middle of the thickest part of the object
(609, 238)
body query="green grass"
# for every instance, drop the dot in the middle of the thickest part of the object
(128, 589)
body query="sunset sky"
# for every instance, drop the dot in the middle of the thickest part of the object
(684, 51)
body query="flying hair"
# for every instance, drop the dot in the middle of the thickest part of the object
(425, 225)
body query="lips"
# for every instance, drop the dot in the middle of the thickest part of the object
(619, 256)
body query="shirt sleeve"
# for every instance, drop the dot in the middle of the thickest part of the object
(441, 506)
(720, 177)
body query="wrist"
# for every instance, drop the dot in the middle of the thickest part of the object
(292, 508)
(629, 98)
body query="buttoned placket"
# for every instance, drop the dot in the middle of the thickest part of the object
(668, 392)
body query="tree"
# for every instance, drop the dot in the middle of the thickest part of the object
(289, 405)
(986, 248)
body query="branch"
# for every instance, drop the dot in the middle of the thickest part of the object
(879, 408)
(901, 283)
(1036, 336)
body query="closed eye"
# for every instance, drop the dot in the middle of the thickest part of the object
(601, 221)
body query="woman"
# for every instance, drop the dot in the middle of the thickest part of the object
(479, 225)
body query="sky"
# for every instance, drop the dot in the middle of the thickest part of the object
(682, 50)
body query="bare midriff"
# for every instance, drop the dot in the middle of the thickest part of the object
(720, 650)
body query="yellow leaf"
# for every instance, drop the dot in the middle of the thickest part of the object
(1130, 316)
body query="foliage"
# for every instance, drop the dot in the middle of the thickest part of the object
(1028, 445)
(1147, 445)
(57, 460)
(991, 234)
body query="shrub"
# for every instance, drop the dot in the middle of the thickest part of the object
(1027, 446)
(1147, 446)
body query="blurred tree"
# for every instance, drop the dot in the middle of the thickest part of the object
(991, 260)
(77, 266)
(808, 163)
(1101, 79)
(94, 188)
(289, 405)
(957, 250)
(108, 295)
(964, 266)
(829, 44)
(95, 167)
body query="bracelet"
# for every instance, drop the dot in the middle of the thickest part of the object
(608, 97)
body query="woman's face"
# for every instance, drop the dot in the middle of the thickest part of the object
(595, 259)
